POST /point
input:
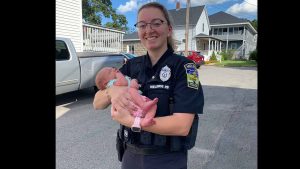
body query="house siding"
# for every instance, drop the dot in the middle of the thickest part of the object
(247, 36)
(139, 49)
(250, 43)
(202, 20)
(69, 21)
(179, 34)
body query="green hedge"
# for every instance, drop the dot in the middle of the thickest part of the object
(253, 55)
(213, 57)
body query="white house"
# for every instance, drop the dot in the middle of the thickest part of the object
(202, 34)
(69, 21)
(199, 27)
(85, 37)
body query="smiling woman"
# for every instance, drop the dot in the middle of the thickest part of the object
(172, 79)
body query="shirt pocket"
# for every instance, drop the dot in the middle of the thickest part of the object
(163, 101)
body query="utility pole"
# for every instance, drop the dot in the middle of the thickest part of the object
(187, 27)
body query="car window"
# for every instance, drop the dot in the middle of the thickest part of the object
(62, 52)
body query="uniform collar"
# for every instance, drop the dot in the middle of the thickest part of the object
(167, 54)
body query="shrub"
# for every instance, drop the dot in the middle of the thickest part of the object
(210, 61)
(253, 55)
(227, 55)
(213, 57)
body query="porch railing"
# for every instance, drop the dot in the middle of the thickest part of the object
(102, 39)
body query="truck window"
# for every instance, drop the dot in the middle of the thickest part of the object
(62, 52)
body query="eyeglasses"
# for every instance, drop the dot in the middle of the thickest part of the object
(155, 23)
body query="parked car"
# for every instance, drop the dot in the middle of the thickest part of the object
(128, 56)
(77, 70)
(195, 56)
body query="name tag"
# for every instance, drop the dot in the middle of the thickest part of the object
(159, 86)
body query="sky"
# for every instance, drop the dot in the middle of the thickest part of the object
(239, 8)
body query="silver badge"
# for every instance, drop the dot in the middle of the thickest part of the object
(165, 73)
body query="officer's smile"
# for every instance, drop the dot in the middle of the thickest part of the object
(151, 38)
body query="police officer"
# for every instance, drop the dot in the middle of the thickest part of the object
(172, 79)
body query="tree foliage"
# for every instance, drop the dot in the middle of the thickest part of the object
(93, 12)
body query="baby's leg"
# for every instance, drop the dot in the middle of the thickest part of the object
(140, 100)
(148, 104)
(148, 120)
(136, 97)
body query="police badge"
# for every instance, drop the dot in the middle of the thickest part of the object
(165, 73)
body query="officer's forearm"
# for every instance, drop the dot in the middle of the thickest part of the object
(101, 100)
(178, 124)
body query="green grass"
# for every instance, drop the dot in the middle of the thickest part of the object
(237, 63)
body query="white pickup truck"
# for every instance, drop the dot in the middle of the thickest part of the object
(77, 70)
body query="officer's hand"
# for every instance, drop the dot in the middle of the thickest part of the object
(120, 98)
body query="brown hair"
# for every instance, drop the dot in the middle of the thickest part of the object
(166, 15)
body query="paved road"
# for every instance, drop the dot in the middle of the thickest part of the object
(227, 134)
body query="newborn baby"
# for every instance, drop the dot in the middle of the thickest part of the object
(109, 76)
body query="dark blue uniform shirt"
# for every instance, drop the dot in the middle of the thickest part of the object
(172, 76)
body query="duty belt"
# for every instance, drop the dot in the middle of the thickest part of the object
(147, 150)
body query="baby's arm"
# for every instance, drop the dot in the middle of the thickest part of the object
(121, 80)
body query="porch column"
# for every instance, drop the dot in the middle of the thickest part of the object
(208, 46)
(220, 46)
(244, 42)
(215, 45)
(227, 39)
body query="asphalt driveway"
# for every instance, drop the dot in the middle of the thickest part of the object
(227, 133)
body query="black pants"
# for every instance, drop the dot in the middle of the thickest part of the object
(174, 160)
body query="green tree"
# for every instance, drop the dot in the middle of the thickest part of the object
(94, 10)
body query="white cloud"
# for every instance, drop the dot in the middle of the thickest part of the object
(129, 6)
(246, 7)
(199, 2)
(142, 2)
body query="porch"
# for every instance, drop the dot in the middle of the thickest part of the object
(100, 39)
(208, 44)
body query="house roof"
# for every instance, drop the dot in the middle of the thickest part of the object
(201, 35)
(131, 36)
(179, 15)
(224, 18)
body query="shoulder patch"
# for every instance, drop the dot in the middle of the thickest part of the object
(192, 75)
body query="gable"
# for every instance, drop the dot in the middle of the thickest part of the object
(178, 16)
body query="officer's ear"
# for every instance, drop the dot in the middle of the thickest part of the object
(170, 30)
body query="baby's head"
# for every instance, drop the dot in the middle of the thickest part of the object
(104, 76)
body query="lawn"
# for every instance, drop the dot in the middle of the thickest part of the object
(237, 63)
